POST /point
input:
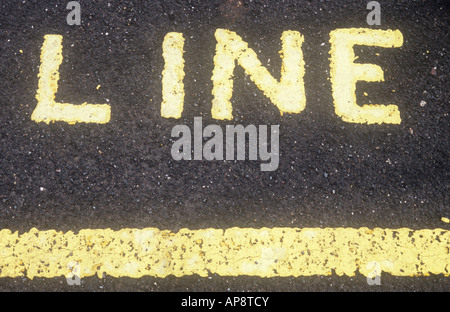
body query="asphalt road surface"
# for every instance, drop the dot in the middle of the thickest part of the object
(331, 173)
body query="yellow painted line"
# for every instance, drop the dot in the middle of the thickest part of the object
(173, 75)
(47, 109)
(345, 73)
(288, 94)
(264, 252)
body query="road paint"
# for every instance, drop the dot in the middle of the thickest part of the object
(172, 76)
(288, 94)
(345, 73)
(47, 109)
(265, 252)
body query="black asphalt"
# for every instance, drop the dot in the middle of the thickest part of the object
(331, 173)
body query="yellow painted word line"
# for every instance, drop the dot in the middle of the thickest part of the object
(47, 109)
(287, 94)
(264, 252)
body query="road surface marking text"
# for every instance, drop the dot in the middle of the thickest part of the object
(172, 76)
(288, 94)
(47, 109)
(344, 74)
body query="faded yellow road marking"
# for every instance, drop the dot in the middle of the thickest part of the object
(288, 94)
(47, 110)
(345, 73)
(173, 75)
(264, 252)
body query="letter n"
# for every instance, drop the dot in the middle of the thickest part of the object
(288, 94)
